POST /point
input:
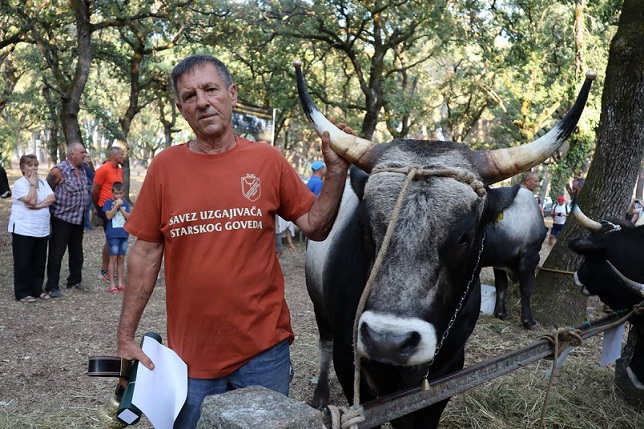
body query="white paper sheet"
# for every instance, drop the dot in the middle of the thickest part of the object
(612, 346)
(160, 393)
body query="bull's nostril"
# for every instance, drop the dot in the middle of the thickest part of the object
(411, 342)
(364, 332)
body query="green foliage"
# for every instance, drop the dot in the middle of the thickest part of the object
(572, 165)
(488, 74)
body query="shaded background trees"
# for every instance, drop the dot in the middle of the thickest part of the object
(488, 74)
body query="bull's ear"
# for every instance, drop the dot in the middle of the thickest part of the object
(358, 181)
(586, 246)
(497, 200)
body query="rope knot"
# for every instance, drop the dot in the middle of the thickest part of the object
(562, 338)
(346, 417)
(639, 309)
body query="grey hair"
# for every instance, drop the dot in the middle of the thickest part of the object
(114, 150)
(529, 174)
(189, 63)
(71, 146)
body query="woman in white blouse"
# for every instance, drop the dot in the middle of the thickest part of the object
(29, 226)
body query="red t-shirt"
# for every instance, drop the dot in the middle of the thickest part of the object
(215, 215)
(105, 176)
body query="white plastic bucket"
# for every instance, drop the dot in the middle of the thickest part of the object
(488, 299)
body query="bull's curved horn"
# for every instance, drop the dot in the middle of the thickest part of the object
(584, 220)
(635, 287)
(361, 152)
(499, 164)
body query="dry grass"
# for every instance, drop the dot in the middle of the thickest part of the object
(45, 346)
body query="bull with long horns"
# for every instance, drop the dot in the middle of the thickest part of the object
(612, 269)
(406, 245)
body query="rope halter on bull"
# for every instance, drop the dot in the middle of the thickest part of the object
(411, 173)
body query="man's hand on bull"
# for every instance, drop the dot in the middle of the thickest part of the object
(334, 162)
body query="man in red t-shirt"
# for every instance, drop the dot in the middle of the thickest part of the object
(106, 175)
(207, 209)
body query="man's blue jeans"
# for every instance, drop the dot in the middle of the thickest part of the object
(270, 369)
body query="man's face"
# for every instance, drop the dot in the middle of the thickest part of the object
(76, 155)
(531, 182)
(576, 186)
(119, 156)
(206, 102)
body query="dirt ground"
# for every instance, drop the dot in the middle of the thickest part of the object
(44, 350)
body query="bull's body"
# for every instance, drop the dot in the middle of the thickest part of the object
(5, 190)
(623, 247)
(512, 248)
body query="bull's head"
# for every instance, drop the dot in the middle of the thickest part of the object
(431, 266)
(611, 266)
(612, 269)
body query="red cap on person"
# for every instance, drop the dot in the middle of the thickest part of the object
(561, 198)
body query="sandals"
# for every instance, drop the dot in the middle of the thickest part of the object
(27, 299)
(113, 290)
(44, 296)
(121, 288)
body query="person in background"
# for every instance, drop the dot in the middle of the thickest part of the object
(635, 210)
(68, 181)
(559, 215)
(106, 175)
(88, 166)
(29, 227)
(117, 211)
(207, 209)
(315, 182)
(537, 200)
(573, 190)
(530, 181)
(283, 229)
(5, 190)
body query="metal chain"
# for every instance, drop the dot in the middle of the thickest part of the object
(459, 306)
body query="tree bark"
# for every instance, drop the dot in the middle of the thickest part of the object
(74, 90)
(613, 171)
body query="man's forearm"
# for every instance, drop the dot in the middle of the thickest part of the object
(143, 264)
(317, 223)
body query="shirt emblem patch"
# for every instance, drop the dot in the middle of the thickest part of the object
(251, 188)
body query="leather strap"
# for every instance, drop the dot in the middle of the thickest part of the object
(109, 366)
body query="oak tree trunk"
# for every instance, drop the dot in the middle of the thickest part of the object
(613, 171)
